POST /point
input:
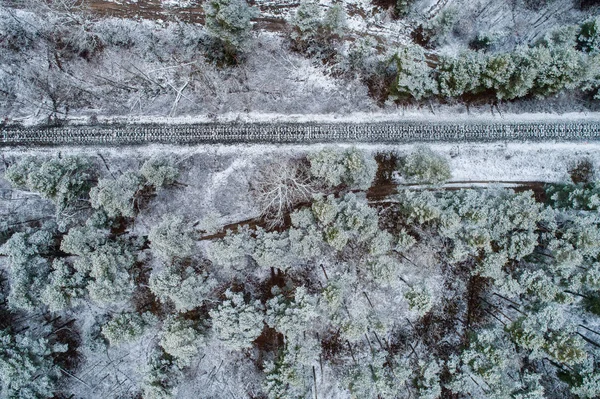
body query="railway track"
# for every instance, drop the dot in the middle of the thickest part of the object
(280, 133)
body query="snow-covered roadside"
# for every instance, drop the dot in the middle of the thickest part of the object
(356, 117)
(495, 161)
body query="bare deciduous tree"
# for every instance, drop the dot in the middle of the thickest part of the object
(281, 186)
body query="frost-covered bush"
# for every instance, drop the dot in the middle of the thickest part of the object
(181, 339)
(117, 196)
(63, 180)
(351, 167)
(171, 238)
(236, 322)
(424, 166)
(27, 369)
(126, 327)
(159, 171)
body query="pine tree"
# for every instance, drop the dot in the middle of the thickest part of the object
(181, 339)
(63, 180)
(171, 238)
(236, 322)
(415, 78)
(228, 22)
(117, 196)
(127, 327)
(27, 369)
(159, 172)
(28, 269)
(352, 168)
(185, 286)
(424, 166)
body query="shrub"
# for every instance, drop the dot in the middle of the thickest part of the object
(424, 166)
(159, 171)
(351, 167)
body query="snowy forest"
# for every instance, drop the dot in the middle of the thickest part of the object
(346, 270)
(101, 59)
(338, 272)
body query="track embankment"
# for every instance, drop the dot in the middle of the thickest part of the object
(299, 133)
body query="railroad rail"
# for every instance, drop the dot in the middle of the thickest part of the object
(280, 133)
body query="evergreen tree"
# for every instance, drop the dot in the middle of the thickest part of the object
(63, 180)
(424, 166)
(117, 196)
(181, 339)
(171, 238)
(229, 22)
(236, 322)
(159, 172)
(27, 369)
(183, 285)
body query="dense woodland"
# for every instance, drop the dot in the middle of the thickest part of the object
(339, 289)
(58, 59)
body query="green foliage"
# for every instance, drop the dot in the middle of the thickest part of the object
(183, 285)
(285, 377)
(291, 317)
(171, 238)
(117, 196)
(335, 222)
(351, 167)
(63, 180)
(462, 74)
(588, 39)
(27, 369)
(267, 249)
(126, 327)
(28, 269)
(159, 171)
(236, 322)
(107, 269)
(415, 78)
(229, 24)
(419, 300)
(574, 196)
(181, 339)
(424, 166)
(559, 68)
(438, 29)
(65, 287)
(161, 376)
(314, 34)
